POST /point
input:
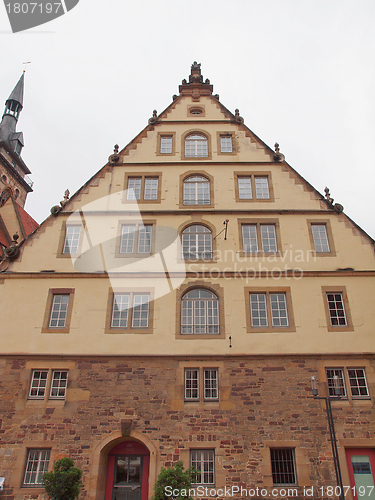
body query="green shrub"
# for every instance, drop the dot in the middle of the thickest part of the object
(64, 483)
(173, 478)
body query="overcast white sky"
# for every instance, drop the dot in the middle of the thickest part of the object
(301, 73)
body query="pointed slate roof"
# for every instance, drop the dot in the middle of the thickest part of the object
(17, 92)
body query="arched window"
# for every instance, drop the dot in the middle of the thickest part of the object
(197, 242)
(196, 191)
(199, 312)
(4, 196)
(196, 146)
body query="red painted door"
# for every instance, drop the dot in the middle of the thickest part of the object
(361, 466)
(127, 472)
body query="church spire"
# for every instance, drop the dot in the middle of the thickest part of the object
(13, 107)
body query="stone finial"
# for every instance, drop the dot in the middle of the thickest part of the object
(237, 116)
(278, 156)
(66, 198)
(195, 73)
(328, 195)
(13, 251)
(115, 149)
(154, 117)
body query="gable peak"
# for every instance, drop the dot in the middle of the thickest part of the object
(196, 86)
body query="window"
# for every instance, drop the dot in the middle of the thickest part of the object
(42, 379)
(321, 237)
(166, 144)
(196, 146)
(200, 312)
(338, 379)
(254, 186)
(226, 144)
(130, 311)
(204, 463)
(198, 381)
(319, 232)
(71, 243)
(337, 311)
(283, 466)
(269, 310)
(259, 237)
(136, 239)
(197, 243)
(196, 191)
(36, 465)
(144, 188)
(59, 310)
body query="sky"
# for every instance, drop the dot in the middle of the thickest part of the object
(301, 72)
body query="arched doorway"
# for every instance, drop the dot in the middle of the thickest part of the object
(128, 471)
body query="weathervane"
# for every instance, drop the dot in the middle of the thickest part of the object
(25, 63)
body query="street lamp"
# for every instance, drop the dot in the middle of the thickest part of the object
(331, 426)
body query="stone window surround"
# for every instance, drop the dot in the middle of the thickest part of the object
(234, 144)
(259, 222)
(47, 394)
(302, 465)
(143, 176)
(201, 398)
(194, 173)
(51, 293)
(136, 222)
(327, 224)
(196, 131)
(349, 323)
(219, 292)
(158, 146)
(252, 175)
(196, 220)
(129, 329)
(269, 329)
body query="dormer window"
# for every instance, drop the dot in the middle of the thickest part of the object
(196, 146)
(18, 148)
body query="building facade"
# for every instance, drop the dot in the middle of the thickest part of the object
(176, 308)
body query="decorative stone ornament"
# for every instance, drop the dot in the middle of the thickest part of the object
(114, 158)
(13, 251)
(278, 156)
(237, 116)
(154, 117)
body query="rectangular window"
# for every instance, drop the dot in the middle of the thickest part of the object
(283, 466)
(210, 383)
(41, 380)
(130, 310)
(226, 144)
(71, 242)
(245, 191)
(262, 191)
(38, 384)
(253, 186)
(144, 188)
(277, 305)
(203, 461)
(166, 144)
(269, 310)
(335, 381)
(259, 237)
(336, 309)
(36, 465)
(339, 379)
(59, 384)
(320, 238)
(137, 236)
(59, 311)
(358, 383)
(192, 385)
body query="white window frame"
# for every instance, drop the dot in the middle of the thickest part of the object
(337, 318)
(261, 237)
(226, 143)
(72, 239)
(196, 146)
(37, 464)
(59, 310)
(137, 189)
(203, 460)
(166, 144)
(52, 380)
(261, 303)
(344, 381)
(203, 381)
(197, 242)
(198, 186)
(320, 238)
(138, 235)
(137, 314)
(200, 315)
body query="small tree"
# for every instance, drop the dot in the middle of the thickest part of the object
(177, 480)
(64, 483)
